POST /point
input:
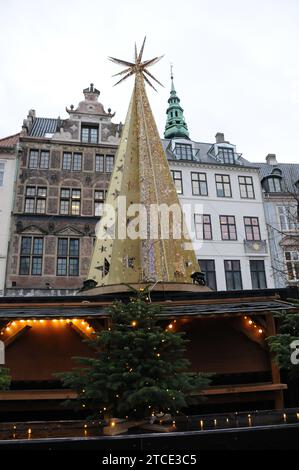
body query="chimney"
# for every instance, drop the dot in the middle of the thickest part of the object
(271, 159)
(219, 138)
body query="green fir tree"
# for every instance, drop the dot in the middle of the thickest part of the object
(139, 368)
(5, 378)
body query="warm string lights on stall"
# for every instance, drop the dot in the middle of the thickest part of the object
(251, 324)
(13, 326)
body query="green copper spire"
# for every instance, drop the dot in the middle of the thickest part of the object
(175, 125)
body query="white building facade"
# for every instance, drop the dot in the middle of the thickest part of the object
(8, 149)
(223, 204)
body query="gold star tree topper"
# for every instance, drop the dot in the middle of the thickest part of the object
(137, 67)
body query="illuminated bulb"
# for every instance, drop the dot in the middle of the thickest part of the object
(88, 327)
(55, 321)
(260, 330)
(85, 426)
(61, 320)
(83, 322)
(7, 328)
(83, 406)
(170, 326)
(158, 355)
(255, 326)
(245, 318)
(42, 321)
(74, 320)
(104, 408)
(13, 323)
(29, 431)
(215, 422)
(250, 322)
(201, 424)
(134, 323)
(112, 424)
(34, 321)
(28, 321)
(22, 321)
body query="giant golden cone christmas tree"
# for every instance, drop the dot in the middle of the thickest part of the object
(141, 175)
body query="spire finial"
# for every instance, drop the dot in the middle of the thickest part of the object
(171, 76)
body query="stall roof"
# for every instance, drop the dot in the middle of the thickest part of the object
(174, 310)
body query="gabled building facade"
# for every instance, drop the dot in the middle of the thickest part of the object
(64, 171)
(280, 187)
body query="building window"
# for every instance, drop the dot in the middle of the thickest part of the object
(246, 187)
(100, 163)
(199, 184)
(68, 257)
(35, 200)
(33, 159)
(292, 265)
(288, 217)
(207, 266)
(99, 196)
(89, 134)
(39, 159)
(70, 201)
(178, 181)
(2, 167)
(272, 184)
(109, 163)
(226, 155)
(223, 186)
(203, 226)
(44, 159)
(31, 256)
(72, 161)
(77, 162)
(233, 275)
(252, 228)
(258, 275)
(183, 151)
(228, 227)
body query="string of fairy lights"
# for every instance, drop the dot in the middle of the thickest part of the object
(12, 327)
(236, 419)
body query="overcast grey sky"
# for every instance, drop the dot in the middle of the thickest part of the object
(235, 63)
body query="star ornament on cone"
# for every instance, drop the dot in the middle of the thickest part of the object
(138, 67)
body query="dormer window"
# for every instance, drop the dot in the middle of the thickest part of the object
(183, 151)
(272, 184)
(89, 134)
(226, 155)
